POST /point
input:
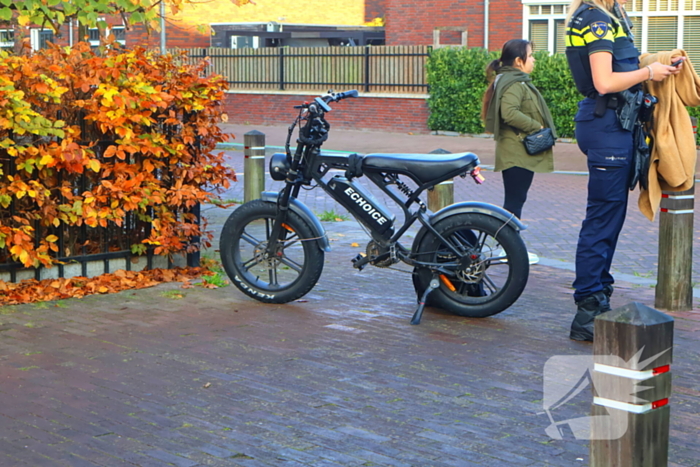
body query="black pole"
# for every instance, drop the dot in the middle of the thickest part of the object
(194, 257)
(281, 68)
(366, 68)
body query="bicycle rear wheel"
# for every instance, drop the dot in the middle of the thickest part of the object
(486, 277)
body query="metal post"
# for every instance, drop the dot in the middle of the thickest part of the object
(253, 165)
(281, 67)
(163, 45)
(193, 258)
(633, 351)
(443, 194)
(674, 285)
(367, 65)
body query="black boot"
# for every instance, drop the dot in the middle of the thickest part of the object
(608, 290)
(588, 309)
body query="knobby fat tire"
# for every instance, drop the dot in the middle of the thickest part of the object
(232, 236)
(511, 242)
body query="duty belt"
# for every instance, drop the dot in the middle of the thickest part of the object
(605, 101)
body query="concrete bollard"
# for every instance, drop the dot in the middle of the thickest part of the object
(674, 284)
(443, 194)
(633, 350)
(253, 165)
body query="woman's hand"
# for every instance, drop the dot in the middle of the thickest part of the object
(660, 71)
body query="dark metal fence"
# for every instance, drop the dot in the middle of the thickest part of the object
(383, 69)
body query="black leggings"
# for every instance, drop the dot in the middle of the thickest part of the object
(516, 182)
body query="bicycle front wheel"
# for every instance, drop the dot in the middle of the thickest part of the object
(283, 276)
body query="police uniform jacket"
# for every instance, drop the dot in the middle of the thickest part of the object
(590, 31)
(516, 111)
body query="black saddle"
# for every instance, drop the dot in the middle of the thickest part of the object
(423, 168)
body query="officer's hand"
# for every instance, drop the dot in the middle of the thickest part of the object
(661, 71)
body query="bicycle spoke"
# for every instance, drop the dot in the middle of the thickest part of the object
(250, 239)
(292, 264)
(293, 240)
(250, 263)
(272, 273)
(489, 284)
(481, 240)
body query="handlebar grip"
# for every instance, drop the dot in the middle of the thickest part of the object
(346, 94)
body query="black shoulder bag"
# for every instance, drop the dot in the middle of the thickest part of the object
(538, 141)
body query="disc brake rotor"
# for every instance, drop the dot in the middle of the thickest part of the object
(261, 256)
(471, 268)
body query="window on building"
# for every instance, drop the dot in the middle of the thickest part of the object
(119, 33)
(546, 27)
(94, 36)
(7, 39)
(691, 37)
(559, 36)
(539, 35)
(245, 42)
(40, 38)
(637, 30)
(662, 33)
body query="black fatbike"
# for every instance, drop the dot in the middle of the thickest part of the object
(468, 258)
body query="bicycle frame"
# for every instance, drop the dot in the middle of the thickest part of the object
(309, 164)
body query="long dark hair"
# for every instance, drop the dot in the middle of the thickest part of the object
(514, 48)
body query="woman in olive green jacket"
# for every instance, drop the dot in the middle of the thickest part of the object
(514, 108)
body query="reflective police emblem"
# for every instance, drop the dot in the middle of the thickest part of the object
(599, 29)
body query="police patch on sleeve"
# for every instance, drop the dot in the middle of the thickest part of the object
(599, 29)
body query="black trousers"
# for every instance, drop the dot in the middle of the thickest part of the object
(516, 183)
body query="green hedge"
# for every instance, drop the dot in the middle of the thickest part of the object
(457, 83)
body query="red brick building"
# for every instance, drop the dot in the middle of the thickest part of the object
(492, 22)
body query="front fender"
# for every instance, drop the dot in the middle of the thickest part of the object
(469, 207)
(305, 213)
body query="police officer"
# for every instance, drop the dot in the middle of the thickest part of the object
(604, 62)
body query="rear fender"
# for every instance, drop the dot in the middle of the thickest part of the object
(305, 213)
(471, 207)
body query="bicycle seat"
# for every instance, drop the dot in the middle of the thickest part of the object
(421, 167)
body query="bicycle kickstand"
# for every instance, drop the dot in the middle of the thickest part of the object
(434, 284)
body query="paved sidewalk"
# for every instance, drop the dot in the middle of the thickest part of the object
(338, 378)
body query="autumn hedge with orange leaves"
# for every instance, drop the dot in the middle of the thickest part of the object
(95, 138)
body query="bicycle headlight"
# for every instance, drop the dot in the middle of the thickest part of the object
(279, 166)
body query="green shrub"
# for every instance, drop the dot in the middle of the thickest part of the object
(457, 84)
(553, 79)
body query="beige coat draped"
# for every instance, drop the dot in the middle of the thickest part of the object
(674, 152)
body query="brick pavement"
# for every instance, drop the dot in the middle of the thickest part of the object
(338, 378)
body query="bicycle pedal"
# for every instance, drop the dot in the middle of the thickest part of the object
(360, 261)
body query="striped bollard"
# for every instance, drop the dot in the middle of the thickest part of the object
(674, 283)
(633, 350)
(253, 165)
(442, 194)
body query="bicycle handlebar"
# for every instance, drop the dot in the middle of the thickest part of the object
(344, 95)
(323, 101)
